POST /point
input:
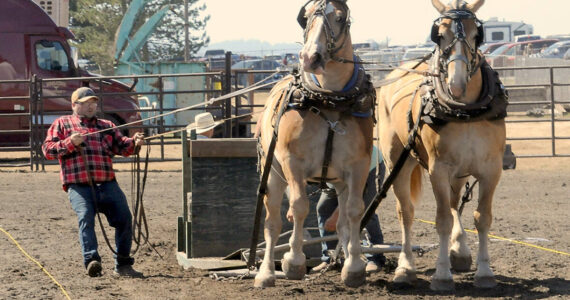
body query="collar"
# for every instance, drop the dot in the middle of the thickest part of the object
(350, 84)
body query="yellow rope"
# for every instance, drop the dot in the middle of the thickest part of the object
(509, 240)
(37, 263)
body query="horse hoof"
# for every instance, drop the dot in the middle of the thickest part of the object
(460, 264)
(404, 276)
(353, 279)
(294, 272)
(264, 281)
(486, 282)
(442, 285)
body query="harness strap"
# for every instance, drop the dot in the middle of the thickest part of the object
(327, 159)
(262, 189)
(328, 147)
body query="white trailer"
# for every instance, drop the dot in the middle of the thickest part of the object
(502, 31)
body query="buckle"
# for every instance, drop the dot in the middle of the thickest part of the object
(336, 128)
(315, 110)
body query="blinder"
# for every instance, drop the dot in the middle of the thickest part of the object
(457, 15)
(302, 18)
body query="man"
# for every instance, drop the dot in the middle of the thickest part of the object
(76, 141)
(327, 216)
(204, 125)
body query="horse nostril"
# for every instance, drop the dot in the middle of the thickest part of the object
(316, 60)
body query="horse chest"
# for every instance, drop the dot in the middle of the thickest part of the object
(463, 146)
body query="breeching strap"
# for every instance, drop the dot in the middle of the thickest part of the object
(262, 189)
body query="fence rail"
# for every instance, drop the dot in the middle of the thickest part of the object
(550, 90)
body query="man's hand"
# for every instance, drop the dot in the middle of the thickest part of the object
(138, 138)
(77, 138)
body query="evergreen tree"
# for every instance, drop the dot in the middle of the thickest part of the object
(95, 24)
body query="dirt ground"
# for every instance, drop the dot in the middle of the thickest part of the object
(531, 209)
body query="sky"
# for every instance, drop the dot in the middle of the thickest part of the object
(404, 22)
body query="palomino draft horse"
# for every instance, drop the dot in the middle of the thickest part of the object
(453, 118)
(322, 119)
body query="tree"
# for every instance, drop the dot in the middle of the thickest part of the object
(167, 42)
(95, 24)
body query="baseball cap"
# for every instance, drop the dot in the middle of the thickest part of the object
(83, 94)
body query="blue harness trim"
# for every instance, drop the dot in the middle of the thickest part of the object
(350, 84)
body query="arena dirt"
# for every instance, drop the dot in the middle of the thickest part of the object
(531, 205)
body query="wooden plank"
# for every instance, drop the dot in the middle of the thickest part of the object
(224, 148)
(208, 263)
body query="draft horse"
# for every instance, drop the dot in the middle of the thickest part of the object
(452, 118)
(322, 121)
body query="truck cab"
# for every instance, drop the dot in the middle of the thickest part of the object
(32, 44)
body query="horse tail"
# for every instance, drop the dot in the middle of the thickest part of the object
(416, 184)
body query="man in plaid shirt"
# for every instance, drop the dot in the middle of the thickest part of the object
(66, 137)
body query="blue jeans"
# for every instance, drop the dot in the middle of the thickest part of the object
(329, 202)
(111, 202)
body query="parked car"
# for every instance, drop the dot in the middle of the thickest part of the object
(527, 37)
(504, 56)
(523, 48)
(32, 44)
(490, 47)
(556, 50)
(256, 64)
(567, 55)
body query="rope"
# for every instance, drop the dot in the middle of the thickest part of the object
(508, 240)
(36, 262)
(193, 127)
(257, 85)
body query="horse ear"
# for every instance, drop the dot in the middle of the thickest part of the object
(473, 7)
(440, 7)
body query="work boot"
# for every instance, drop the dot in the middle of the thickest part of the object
(319, 268)
(372, 267)
(127, 271)
(94, 268)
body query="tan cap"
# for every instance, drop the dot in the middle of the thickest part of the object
(83, 94)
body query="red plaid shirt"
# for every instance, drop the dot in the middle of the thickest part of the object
(98, 148)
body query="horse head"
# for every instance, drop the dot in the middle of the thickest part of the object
(326, 25)
(457, 34)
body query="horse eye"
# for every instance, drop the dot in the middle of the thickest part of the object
(339, 19)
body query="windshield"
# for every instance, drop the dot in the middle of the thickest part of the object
(551, 49)
(51, 56)
(500, 50)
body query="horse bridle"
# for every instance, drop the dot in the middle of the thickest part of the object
(445, 58)
(331, 37)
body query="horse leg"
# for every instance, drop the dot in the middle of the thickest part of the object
(294, 261)
(406, 271)
(342, 229)
(460, 254)
(442, 280)
(272, 229)
(353, 272)
(484, 277)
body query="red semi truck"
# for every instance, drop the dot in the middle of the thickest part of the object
(32, 44)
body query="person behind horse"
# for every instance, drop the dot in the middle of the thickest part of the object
(67, 141)
(204, 125)
(327, 216)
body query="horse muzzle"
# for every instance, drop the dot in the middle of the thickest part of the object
(315, 63)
